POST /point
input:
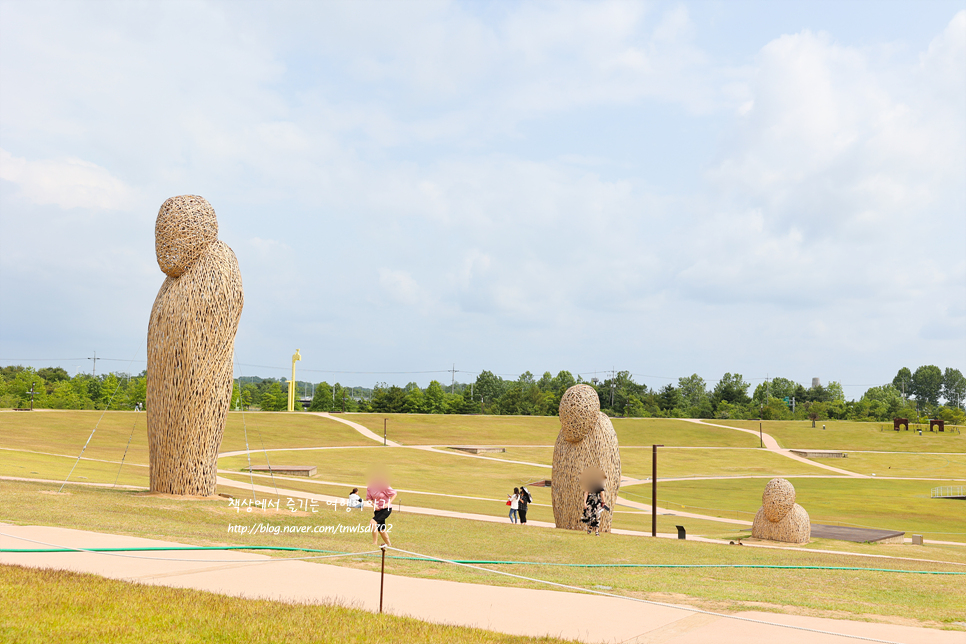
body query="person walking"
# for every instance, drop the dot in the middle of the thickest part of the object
(514, 500)
(381, 495)
(525, 500)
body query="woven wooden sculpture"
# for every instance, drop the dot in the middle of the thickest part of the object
(191, 338)
(780, 518)
(587, 439)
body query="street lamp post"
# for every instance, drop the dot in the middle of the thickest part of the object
(654, 490)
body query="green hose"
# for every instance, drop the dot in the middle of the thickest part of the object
(481, 561)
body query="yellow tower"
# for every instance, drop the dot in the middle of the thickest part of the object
(291, 383)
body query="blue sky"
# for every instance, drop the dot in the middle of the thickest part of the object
(664, 188)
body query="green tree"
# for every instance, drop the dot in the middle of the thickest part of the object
(732, 389)
(954, 387)
(927, 384)
(274, 398)
(903, 381)
(321, 397)
(694, 391)
(434, 398)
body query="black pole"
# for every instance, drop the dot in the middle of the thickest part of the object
(382, 578)
(761, 441)
(654, 490)
(384, 421)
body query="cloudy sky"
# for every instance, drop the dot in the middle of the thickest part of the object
(664, 188)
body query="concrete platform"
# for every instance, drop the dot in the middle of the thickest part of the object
(818, 453)
(287, 470)
(480, 450)
(856, 535)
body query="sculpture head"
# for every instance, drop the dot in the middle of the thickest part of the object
(186, 226)
(778, 499)
(579, 407)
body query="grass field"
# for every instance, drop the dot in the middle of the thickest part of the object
(427, 429)
(846, 435)
(860, 594)
(873, 503)
(952, 466)
(65, 432)
(40, 606)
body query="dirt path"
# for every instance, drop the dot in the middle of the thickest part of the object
(365, 431)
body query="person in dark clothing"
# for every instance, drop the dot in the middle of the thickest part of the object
(522, 503)
(595, 499)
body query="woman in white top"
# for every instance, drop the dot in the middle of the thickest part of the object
(355, 501)
(514, 504)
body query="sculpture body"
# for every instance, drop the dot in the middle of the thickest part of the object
(191, 337)
(780, 518)
(587, 440)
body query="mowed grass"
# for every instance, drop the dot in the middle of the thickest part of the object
(428, 429)
(51, 467)
(847, 435)
(408, 468)
(687, 462)
(465, 501)
(942, 466)
(40, 606)
(66, 432)
(861, 594)
(449, 429)
(872, 503)
(677, 433)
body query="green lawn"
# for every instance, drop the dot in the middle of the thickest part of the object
(45, 466)
(672, 463)
(951, 466)
(65, 432)
(430, 429)
(857, 593)
(873, 503)
(40, 606)
(677, 433)
(409, 468)
(846, 435)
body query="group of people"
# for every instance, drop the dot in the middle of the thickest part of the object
(519, 501)
(593, 483)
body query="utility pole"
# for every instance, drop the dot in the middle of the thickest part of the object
(452, 387)
(95, 359)
(32, 392)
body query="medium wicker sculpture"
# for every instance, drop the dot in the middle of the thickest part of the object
(191, 338)
(587, 439)
(780, 518)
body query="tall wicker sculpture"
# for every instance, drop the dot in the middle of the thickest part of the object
(191, 338)
(587, 440)
(780, 518)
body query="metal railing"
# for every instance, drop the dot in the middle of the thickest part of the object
(946, 491)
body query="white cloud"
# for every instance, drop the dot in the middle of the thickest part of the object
(68, 183)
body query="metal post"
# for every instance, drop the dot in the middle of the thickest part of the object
(654, 490)
(761, 441)
(384, 422)
(382, 578)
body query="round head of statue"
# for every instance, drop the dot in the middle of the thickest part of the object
(579, 407)
(778, 499)
(186, 226)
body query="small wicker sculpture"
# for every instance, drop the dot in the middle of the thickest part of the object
(780, 518)
(191, 338)
(587, 440)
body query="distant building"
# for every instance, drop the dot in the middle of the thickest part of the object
(816, 382)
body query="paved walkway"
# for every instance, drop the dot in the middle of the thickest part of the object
(365, 431)
(583, 617)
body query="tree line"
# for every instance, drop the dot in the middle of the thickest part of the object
(926, 392)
